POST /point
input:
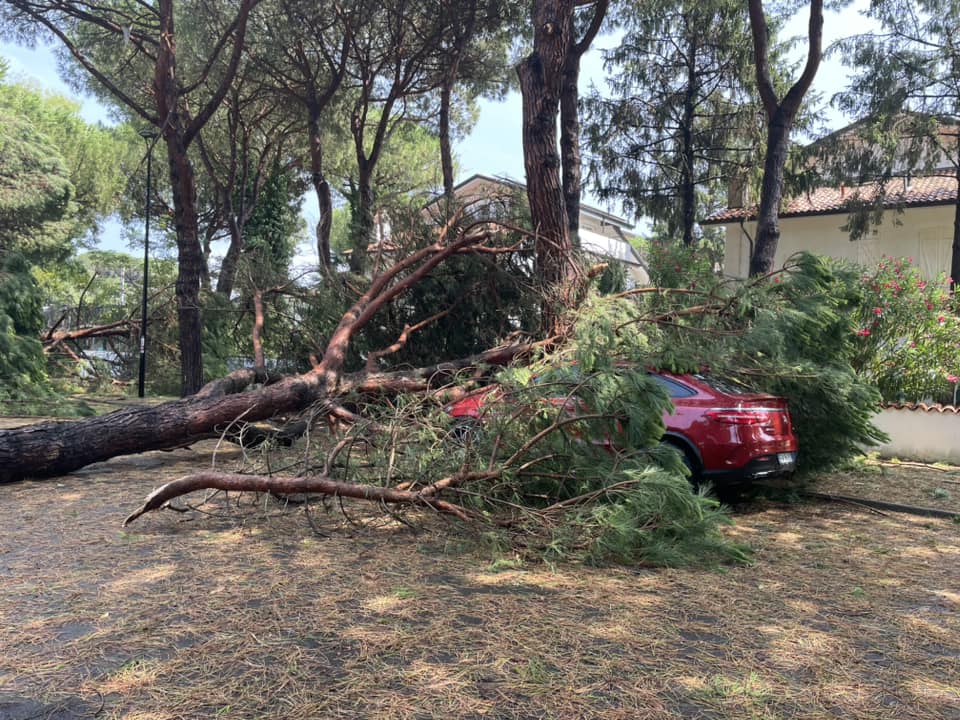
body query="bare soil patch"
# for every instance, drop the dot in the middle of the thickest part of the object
(243, 611)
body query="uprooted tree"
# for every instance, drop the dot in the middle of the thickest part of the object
(595, 483)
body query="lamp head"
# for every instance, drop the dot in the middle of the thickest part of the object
(149, 134)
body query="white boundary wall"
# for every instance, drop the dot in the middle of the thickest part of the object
(930, 435)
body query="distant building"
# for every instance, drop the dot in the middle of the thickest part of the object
(603, 235)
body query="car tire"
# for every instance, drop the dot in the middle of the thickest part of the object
(688, 460)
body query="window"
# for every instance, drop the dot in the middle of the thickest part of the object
(674, 389)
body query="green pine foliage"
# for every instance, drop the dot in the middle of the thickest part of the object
(572, 445)
(24, 386)
(792, 335)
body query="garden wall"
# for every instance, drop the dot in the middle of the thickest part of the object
(921, 432)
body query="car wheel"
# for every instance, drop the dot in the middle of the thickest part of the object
(688, 461)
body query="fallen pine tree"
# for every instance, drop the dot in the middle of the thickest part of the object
(248, 395)
(533, 468)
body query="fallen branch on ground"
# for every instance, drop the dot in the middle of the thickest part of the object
(319, 485)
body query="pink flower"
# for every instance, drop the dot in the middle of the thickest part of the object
(921, 285)
(929, 306)
(952, 378)
(777, 280)
(864, 332)
(941, 319)
(912, 344)
(878, 311)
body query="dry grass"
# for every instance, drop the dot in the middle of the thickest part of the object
(932, 486)
(247, 613)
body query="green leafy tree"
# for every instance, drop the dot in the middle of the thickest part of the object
(390, 79)
(132, 55)
(23, 367)
(35, 187)
(308, 75)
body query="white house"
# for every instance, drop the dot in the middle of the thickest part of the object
(918, 223)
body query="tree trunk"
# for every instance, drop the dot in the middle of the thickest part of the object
(780, 117)
(541, 76)
(362, 223)
(184, 195)
(688, 179)
(56, 448)
(228, 268)
(189, 264)
(259, 361)
(446, 150)
(771, 193)
(322, 188)
(570, 142)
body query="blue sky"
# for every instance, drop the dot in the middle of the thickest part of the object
(494, 147)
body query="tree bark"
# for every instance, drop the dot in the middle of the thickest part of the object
(570, 118)
(688, 178)
(321, 485)
(541, 75)
(570, 143)
(771, 193)
(321, 187)
(189, 256)
(363, 224)
(228, 268)
(446, 148)
(548, 87)
(780, 117)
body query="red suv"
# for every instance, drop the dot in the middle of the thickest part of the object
(724, 433)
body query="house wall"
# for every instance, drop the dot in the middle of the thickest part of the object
(917, 434)
(604, 246)
(924, 234)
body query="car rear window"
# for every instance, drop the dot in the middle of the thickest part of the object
(725, 386)
(674, 389)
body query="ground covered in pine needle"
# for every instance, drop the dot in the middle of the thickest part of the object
(247, 610)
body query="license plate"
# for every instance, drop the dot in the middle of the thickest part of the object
(787, 458)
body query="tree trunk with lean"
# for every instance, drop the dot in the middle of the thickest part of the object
(780, 118)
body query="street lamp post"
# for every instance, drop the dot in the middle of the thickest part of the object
(149, 135)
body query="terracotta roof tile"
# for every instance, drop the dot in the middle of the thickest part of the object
(928, 190)
(922, 407)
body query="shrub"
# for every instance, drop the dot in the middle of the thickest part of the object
(908, 333)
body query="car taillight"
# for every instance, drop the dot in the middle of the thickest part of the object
(772, 417)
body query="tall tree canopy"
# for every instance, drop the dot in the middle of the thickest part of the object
(674, 126)
(130, 53)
